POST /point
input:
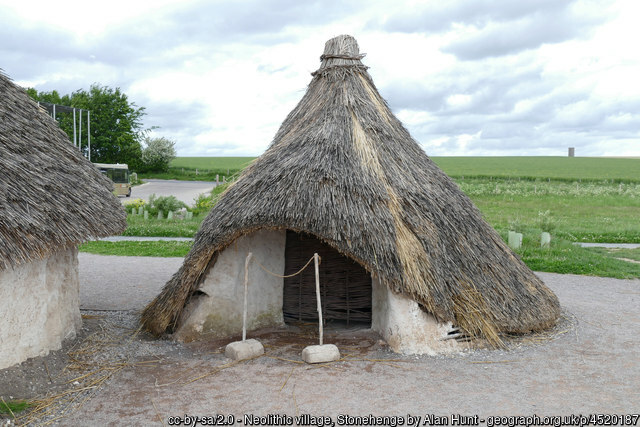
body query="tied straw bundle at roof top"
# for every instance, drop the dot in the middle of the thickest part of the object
(50, 196)
(343, 168)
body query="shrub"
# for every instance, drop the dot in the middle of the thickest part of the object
(134, 203)
(164, 203)
(204, 203)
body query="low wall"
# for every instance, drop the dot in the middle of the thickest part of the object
(39, 307)
(218, 311)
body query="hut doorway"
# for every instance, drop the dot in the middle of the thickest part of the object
(345, 286)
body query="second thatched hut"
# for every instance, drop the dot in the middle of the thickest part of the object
(51, 200)
(402, 247)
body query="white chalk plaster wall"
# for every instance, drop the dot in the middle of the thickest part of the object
(406, 327)
(39, 306)
(218, 313)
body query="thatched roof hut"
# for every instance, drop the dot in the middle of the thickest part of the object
(51, 200)
(343, 168)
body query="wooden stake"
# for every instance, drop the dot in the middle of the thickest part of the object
(246, 285)
(315, 261)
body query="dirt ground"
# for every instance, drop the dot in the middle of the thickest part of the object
(115, 375)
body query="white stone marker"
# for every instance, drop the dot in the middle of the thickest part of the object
(323, 352)
(515, 240)
(245, 349)
(545, 240)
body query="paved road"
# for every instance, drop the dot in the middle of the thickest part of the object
(185, 191)
(611, 245)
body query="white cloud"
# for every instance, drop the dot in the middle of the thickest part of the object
(490, 77)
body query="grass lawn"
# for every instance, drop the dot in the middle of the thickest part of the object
(619, 253)
(580, 212)
(12, 407)
(566, 258)
(156, 249)
(138, 226)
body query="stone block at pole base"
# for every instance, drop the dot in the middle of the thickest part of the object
(247, 349)
(320, 353)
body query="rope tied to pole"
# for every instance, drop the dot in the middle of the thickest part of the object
(289, 275)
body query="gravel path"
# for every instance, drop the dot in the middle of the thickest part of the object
(589, 364)
(121, 282)
(610, 245)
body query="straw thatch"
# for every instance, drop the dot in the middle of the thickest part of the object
(50, 196)
(343, 168)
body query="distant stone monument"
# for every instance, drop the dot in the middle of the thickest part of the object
(572, 151)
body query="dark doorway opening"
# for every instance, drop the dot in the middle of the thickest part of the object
(345, 286)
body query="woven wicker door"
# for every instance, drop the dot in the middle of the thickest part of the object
(344, 285)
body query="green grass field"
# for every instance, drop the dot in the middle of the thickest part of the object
(155, 249)
(205, 163)
(202, 168)
(576, 199)
(541, 168)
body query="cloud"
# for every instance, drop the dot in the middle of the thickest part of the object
(488, 28)
(443, 15)
(507, 38)
(218, 77)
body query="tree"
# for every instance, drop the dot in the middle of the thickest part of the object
(157, 154)
(116, 124)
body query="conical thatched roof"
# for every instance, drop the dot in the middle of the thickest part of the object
(50, 196)
(343, 168)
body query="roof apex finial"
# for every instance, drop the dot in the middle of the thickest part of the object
(341, 50)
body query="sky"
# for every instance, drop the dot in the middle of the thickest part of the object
(466, 77)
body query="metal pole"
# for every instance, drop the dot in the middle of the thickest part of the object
(54, 111)
(246, 286)
(89, 132)
(80, 132)
(315, 261)
(74, 127)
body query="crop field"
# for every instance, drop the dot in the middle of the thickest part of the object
(541, 168)
(211, 163)
(527, 168)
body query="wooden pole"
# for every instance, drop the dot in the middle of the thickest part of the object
(315, 261)
(246, 287)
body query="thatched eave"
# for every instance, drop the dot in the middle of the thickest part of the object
(50, 196)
